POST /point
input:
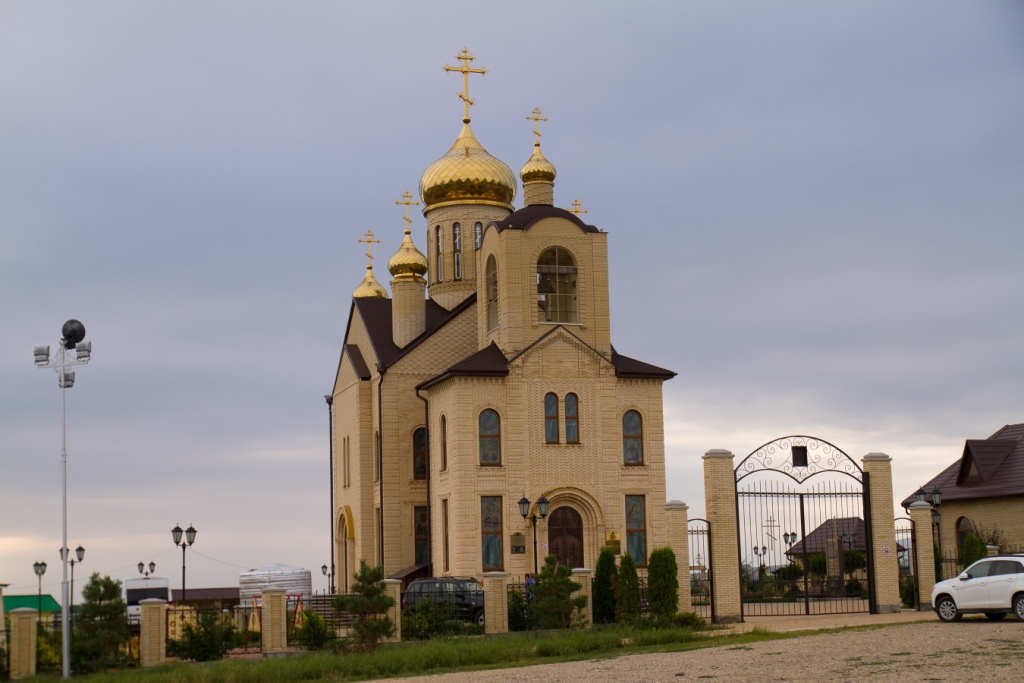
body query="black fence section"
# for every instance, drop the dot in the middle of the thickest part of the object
(699, 534)
(906, 542)
(950, 566)
(49, 643)
(237, 630)
(456, 599)
(803, 552)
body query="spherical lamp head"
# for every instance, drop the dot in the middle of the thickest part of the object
(73, 332)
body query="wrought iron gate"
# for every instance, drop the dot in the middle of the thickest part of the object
(699, 533)
(906, 550)
(805, 547)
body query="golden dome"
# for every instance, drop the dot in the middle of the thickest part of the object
(467, 174)
(408, 262)
(369, 288)
(537, 167)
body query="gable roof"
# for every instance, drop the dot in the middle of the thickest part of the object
(13, 602)
(817, 540)
(487, 362)
(999, 460)
(631, 367)
(524, 218)
(358, 364)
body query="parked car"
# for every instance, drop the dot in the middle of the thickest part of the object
(466, 594)
(993, 586)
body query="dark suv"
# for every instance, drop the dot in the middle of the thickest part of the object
(467, 595)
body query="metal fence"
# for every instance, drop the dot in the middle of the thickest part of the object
(906, 542)
(699, 533)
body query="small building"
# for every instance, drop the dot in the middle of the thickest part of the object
(208, 598)
(46, 605)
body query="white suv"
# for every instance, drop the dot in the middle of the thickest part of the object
(992, 586)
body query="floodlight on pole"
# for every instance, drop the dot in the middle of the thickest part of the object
(72, 338)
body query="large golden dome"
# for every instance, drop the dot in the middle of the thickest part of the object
(537, 167)
(467, 174)
(369, 288)
(408, 262)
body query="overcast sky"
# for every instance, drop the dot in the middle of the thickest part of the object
(814, 215)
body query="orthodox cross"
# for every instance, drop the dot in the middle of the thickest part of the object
(369, 242)
(407, 200)
(536, 118)
(465, 57)
(771, 525)
(576, 208)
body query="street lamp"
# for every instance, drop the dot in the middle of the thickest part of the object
(40, 569)
(142, 568)
(79, 553)
(524, 510)
(72, 333)
(190, 537)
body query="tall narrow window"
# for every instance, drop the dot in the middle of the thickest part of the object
(444, 524)
(457, 244)
(421, 533)
(550, 418)
(572, 420)
(492, 293)
(440, 254)
(490, 438)
(556, 287)
(478, 232)
(419, 454)
(346, 475)
(376, 456)
(444, 443)
(636, 529)
(632, 438)
(377, 536)
(490, 532)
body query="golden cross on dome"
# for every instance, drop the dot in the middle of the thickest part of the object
(465, 57)
(536, 118)
(407, 200)
(369, 241)
(576, 208)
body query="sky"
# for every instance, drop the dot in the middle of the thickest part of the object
(814, 215)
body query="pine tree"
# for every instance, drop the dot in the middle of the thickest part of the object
(627, 599)
(606, 575)
(370, 604)
(553, 595)
(662, 583)
(101, 627)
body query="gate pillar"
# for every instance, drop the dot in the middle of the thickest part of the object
(677, 520)
(924, 553)
(720, 502)
(886, 574)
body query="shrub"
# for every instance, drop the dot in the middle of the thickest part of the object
(553, 600)
(627, 599)
(522, 616)
(207, 640)
(314, 634)
(369, 603)
(974, 549)
(791, 572)
(691, 621)
(662, 583)
(101, 628)
(428, 619)
(605, 577)
(937, 555)
(908, 591)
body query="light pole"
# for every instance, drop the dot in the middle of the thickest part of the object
(40, 569)
(73, 333)
(190, 537)
(330, 579)
(142, 569)
(79, 553)
(524, 510)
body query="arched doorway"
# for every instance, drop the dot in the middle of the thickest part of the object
(565, 536)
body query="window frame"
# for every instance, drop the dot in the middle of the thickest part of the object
(563, 299)
(478, 234)
(492, 535)
(421, 543)
(491, 285)
(551, 418)
(573, 419)
(457, 247)
(419, 472)
(629, 439)
(637, 531)
(444, 443)
(481, 436)
(440, 253)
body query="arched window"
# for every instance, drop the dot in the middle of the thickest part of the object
(556, 287)
(550, 418)
(419, 454)
(492, 293)
(572, 424)
(478, 233)
(964, 528)
(457, 243)
(632, 438)
(444, 443)
(490, 438)
(440, 254)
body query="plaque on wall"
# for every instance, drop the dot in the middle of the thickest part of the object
(518, 543)
(613, 542)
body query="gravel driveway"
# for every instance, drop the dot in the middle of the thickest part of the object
(975, 649)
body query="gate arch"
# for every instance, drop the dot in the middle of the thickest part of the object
(804, 529)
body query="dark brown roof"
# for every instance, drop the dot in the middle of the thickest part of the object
(356, 356)
(999, 460)
(488, 362)
(631, 367)
(525, 217)
(831, 528)
(376, 316)
(195, 594)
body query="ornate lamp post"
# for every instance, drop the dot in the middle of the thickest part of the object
(330, 578)
(190, 537)
(72, 333)
(40, 569)
(524, 510)
(80, 554)
(142, 569)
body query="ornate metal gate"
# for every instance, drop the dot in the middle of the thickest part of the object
(906, 550)
(699, 533)
(805, 547)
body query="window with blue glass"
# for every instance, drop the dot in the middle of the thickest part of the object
(636, 529)
(572, 420)
(551, 418)
(419, 454)
(490, 438)
(421, 531)
(632, 438)
(490, 533)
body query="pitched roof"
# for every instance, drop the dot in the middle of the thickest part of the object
(356, 356)
(831, 528)
(376, 316)
(999, 461)
(525, 217)
(13, 602)
(631, 367)
(487, 362)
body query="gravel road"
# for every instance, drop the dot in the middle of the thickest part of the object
(975, 649)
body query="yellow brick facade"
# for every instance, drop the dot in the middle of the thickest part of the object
(1005, 514)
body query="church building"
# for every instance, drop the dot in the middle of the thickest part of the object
(488, 382)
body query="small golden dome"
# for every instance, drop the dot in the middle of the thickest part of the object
(369, 288)
(537, 167)
(467, 174)
(408, 262)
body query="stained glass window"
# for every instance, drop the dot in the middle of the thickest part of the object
(490, 438)
(632, 438)
(419, 454)
(551, 418)
(421, 530)
(572, 424)
(636, 529)
(490, 532)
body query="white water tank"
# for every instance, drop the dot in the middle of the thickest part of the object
(292, 580)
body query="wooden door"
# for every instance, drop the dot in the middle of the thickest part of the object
(565, 536)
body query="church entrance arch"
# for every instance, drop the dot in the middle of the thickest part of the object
(565, 536)
(804, 528)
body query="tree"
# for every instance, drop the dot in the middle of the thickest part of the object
(627, 598)
(974, 549)
(553, 595)
(606, 575)
(370, 604)
(207, 640)
(662, 583)
(854, 560)
(101, 629)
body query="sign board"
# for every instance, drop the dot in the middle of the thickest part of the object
(613, 542)
(886, 552)
(518, 544)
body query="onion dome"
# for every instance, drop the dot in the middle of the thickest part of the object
(408, 262)
(369, 288)
(537, 168)
(467, 174)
